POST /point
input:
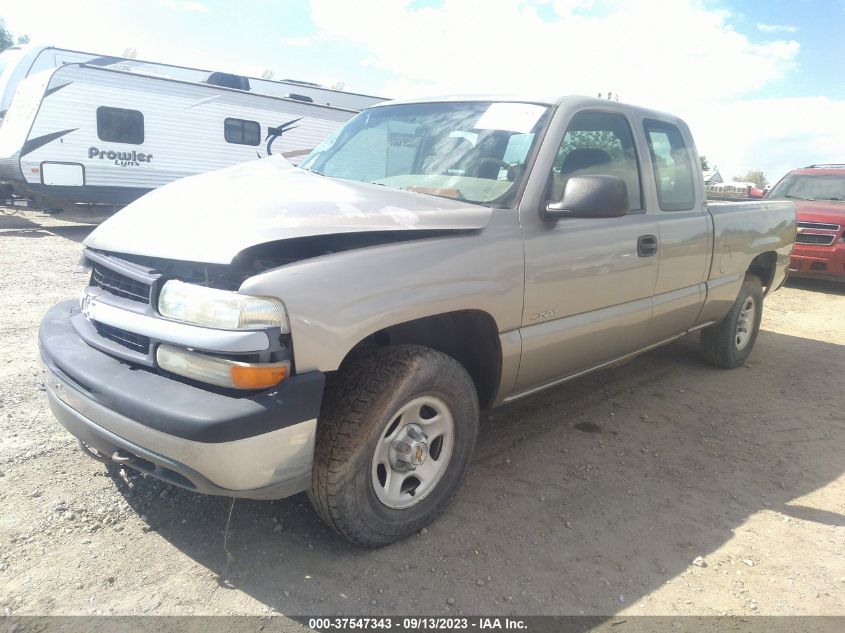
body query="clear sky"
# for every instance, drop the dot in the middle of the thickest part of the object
(759, 81)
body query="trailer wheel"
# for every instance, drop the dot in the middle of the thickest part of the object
(729, 342)
(394, 441)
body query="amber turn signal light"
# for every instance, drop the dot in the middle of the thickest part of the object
(221, 371)
(257, 376)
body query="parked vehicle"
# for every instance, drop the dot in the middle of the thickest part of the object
(19, 62)
(93, 134)
(734, 191)
(339, 334)
(818, 192)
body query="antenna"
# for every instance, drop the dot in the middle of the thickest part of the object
(267, 74)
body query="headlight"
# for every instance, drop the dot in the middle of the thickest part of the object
(220, 308)
(221, 371)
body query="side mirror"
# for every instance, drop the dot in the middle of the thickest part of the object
(590, 197)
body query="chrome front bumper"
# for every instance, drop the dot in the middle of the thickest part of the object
(259, 446)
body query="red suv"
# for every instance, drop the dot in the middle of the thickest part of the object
(818, 192)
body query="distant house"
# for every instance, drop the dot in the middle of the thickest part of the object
(713, 177)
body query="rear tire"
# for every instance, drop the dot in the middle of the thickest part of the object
(728, 343)
(394, 440)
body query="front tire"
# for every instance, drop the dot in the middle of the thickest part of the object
(728, 343)
(394, 441)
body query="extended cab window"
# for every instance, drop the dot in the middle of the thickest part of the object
(598, 143)
(242, 132)
(672, 166)
(117, 125)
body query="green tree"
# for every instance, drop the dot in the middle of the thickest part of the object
(705, 166)
(756, 176)
(7, 39)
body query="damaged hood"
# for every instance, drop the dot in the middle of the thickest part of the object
(212, 217)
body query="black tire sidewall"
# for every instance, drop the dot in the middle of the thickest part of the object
(433, 374)
(750, 288)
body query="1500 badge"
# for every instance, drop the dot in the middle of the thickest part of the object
(124, 159)
(542, 316)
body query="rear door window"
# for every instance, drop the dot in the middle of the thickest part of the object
(672, 166)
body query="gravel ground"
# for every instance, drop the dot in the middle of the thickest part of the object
(660, 487)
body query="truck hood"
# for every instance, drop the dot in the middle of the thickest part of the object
(212, 217)
(820, 211)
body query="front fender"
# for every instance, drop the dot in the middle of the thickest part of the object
(337, 300)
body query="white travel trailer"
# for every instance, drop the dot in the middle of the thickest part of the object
(82, 134)
(19, 62)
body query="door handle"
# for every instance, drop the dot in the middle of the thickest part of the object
(646, 245)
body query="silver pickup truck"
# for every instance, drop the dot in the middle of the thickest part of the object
(335, 328)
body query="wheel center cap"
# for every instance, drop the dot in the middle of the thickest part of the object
(410, 449)
(420, 453)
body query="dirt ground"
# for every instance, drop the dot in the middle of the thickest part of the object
(597, 497)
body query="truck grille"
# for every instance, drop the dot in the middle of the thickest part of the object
(135, 342)
(120, 285)
(814, 238)
(819, 226)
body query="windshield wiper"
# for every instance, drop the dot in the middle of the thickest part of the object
(833, 199)
(786, 195)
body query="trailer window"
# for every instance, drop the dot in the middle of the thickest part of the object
(672, 167)
(242, 132)
(117, 125)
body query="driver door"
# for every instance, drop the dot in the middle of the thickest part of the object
(588, 282)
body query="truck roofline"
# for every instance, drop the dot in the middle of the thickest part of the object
(574, 101)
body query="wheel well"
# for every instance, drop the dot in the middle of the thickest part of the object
(763, 266)
(469, 336)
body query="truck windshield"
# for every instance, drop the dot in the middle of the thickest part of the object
(475, 152)
(810, 187)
